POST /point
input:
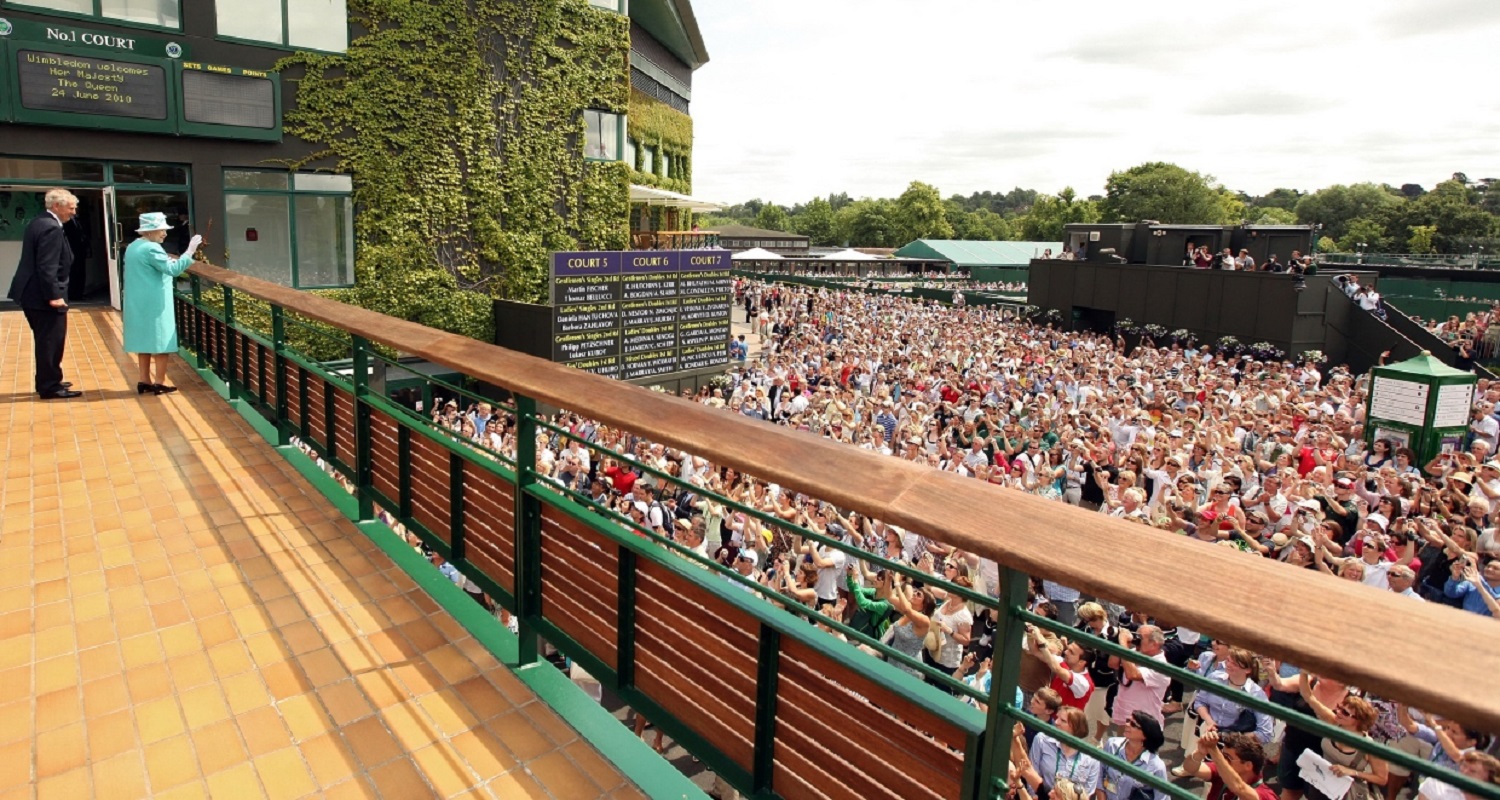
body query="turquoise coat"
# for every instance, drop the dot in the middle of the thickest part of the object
(150, 324)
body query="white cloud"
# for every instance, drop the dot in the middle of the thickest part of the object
(815, 96)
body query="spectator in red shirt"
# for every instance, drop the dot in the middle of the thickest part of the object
(1235, 773)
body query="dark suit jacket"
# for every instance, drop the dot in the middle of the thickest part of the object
(46, 261)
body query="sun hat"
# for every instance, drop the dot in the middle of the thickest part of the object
(153, 221)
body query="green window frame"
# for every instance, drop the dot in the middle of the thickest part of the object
(265, 197)
(603, 135)
(96, 10)
(297, 30)
(617, 6)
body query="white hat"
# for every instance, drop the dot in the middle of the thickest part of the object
(1378, 519)
(750, 555)
(154, 221)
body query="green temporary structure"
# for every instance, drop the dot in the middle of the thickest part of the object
(984, 261)
(1420, 403)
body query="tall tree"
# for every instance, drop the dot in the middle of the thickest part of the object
(1278, 198)
(1336, 206)
(1273, 215)
(1048, 215)
(1166, 193)
(816, 223)
(773, 218)
(866, 223)
(920, 214)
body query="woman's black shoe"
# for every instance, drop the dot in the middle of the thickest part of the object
(162, 389)
(142, 388)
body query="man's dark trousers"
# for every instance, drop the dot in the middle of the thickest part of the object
(49, 328)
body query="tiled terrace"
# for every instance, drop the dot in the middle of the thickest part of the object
(182, 615)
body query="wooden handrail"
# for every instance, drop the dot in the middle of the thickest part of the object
(1433, 657)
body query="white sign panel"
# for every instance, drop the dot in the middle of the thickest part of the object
(1453, 404)
(1399, 401)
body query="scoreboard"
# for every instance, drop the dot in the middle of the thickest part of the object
(640, 313)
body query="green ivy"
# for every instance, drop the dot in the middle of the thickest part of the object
(461, 122)
(657, 125)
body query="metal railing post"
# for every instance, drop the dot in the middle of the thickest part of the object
(625, 621)
(456, 511)
(229, 348)
(362, 455)
(278, 350)
(528, 531)
(768, 674)
(1005, 666)
(199, 358)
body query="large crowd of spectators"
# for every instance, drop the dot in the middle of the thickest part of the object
(1473, 336)
(1267, 458)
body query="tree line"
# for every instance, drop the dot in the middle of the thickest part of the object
(1457, 215)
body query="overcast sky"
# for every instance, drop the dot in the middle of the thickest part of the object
(807, 97)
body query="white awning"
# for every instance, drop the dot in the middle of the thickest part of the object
(849, 255)
(652, 196)
(754, 254)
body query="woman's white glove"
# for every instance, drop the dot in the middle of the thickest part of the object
(193, 245)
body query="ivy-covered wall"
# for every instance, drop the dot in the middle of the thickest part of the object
(655, 124)
(461, 122)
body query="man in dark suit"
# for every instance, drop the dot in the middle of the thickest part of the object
(41, 289)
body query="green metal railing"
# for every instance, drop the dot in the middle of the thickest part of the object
(727, 667)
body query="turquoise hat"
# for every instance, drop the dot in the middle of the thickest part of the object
(155, 221)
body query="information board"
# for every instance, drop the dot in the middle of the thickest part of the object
(641, 313)
(86, 85)
(1398, 401)
(1454, 402)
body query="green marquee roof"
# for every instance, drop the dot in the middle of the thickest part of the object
(978, 254)
(1425, 365)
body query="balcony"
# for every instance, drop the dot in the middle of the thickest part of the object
(770, 703)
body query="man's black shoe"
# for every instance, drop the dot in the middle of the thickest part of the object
(63, 394)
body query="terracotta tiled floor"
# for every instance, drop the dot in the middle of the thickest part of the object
(182, 616)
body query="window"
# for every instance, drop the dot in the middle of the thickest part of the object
(293, 229)
(44, 170)
(303, 24)
(603, 135)
(617, 6)
(648, 160)
(666, 164)
(630, 148)
(156, 13)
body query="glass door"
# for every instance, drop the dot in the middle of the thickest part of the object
(112, 246)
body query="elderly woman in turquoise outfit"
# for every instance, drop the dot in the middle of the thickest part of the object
(150, 325)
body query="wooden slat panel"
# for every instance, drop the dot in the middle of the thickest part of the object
(385, 452)
(343, 420)
(567, 569)
(884, 766)
(737, 630)
(855, 725)
(658, 681)
(583, 624)
(489, 515)
(725, 681)
(431, 502)
(699, 632)
(800, 664)
(1259, 604)
(293, 394)
(317, 428)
